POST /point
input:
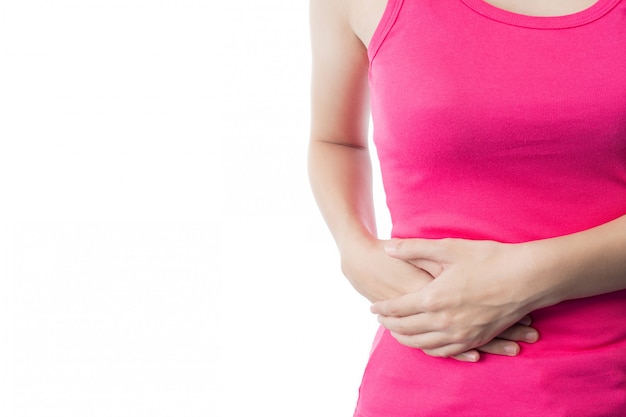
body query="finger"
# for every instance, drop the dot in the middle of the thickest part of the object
(424, 254)
(449, 351)
(526, 321)
(431, 267)
(469, 356)
(409, 325)
(402, 306)
(433, 343)
(520, 333)
(500, 347)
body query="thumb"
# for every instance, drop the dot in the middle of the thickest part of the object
(391, 246)
(422, 253)
(407, 249)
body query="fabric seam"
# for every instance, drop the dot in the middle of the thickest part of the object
(384, 27)
(542, 23)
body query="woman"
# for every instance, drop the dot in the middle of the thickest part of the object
(501, 132)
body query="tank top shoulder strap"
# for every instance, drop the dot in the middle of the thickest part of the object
(392, 10)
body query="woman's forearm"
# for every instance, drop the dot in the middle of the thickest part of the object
(579, 265)
(340, 177)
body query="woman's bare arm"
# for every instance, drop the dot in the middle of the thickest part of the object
(340, 167)
(339, 159)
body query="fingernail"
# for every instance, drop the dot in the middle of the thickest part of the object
(511, 349)
(531, 337)
(470, 356)
(391, 247)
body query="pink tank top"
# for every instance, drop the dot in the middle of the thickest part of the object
(494, 125)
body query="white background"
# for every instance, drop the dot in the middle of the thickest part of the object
(160, 251)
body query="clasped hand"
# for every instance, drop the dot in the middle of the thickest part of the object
(476, 298)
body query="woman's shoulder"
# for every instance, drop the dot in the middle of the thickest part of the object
(348, 17)
(365, 16)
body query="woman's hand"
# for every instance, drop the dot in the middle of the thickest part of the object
(478, 296)
(377, 276)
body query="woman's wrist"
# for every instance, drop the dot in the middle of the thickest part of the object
(548, 281)
(355, 251)
(579, 265)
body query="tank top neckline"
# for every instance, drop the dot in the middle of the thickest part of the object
(593, 12)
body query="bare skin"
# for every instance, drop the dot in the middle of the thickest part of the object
(408, 300)
(339, 162)
(397, 276)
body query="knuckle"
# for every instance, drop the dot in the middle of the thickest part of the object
(409, 341)
(437, 300)
(415, 343)
(431, 302)
(402, 328)
(514, 333)
(401, 246)
(445, 321)
(393, 311)
(464, 335)
(389, 310)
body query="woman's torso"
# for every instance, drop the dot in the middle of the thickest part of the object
(495, 125)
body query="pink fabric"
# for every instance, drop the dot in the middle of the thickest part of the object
(493, 125)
